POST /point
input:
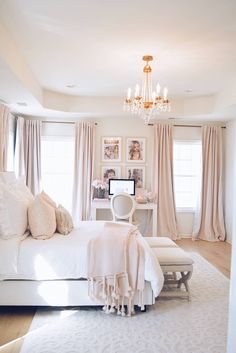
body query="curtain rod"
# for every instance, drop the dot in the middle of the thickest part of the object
(60, 122)
(73, 122)
(182, 125)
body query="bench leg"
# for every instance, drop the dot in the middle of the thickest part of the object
(184, 280)
(185, 276)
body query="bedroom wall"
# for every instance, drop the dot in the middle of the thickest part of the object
(230, 219)
(134, 127)
(230, 165)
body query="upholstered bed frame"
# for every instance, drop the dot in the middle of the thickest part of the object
(55, 293)
(176, 265)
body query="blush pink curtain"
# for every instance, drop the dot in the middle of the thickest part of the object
(211, 225)
(83, 170)
(32, 154)
(163, 181)
(4, 136)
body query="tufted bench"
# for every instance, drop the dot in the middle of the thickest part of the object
(160, 242)
(176, 265)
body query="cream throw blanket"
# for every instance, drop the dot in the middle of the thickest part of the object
(116, 267)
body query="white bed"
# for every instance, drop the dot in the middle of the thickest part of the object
(54, 271)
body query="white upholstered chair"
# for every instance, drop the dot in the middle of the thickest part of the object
(122, 207)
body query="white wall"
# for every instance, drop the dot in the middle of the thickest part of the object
(230, 219)
(229, 162)
(134, 127)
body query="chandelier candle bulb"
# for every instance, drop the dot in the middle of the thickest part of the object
(128, 94)
(158, 89)
(165, 94)
(136, 91)
(154, 97)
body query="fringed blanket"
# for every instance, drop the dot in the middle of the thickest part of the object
(116, 264)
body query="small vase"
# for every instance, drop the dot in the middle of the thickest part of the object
(101, 193)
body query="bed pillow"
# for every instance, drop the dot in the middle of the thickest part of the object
(21, 189)
(13, 213)
(46, 198)
(7, 177)
(64, 220)
(42, 219)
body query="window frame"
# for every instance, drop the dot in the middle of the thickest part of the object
(182, 142)
(61, 138)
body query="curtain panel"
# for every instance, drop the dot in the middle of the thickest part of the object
(28, 152)
(4, 136)
(163, 181)
(32, 154)
(19, 160)
(83, 170)
(211, 223)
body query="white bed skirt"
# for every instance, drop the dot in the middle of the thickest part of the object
(55, 293)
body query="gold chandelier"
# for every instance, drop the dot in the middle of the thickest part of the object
(149, 103)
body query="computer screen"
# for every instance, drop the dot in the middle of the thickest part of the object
(121, 185)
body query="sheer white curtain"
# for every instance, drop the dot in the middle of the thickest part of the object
(163, 181)
(4, 136)
(83, 170)
(211, 225)
(198, 200)
(32, 154)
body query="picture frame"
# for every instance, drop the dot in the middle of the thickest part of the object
(135, 149)
(138, 174)
(110, 172)
(111, 149)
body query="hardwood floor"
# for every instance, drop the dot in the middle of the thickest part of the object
(217, 253)
(15, 321)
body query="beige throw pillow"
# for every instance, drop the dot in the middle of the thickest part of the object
(45, 197)
(42, 219)
(64, 220)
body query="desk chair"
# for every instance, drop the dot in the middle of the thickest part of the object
(122, 206)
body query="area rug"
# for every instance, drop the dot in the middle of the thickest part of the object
(169, 326)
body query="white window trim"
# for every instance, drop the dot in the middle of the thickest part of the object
(183, 142)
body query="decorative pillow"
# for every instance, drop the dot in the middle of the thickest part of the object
(42, 219)
(46, 198)
(21, 189)
(7, 177)
(64, 220)
(13, 212)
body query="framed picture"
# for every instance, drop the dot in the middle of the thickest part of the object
(135, 149)
(110, 172)
(138, 174)
(111, 149)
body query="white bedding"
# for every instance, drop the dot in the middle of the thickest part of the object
(63, 257)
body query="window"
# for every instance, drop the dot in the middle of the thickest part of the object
(187, 173)
(57, 168)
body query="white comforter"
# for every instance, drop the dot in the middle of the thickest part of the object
(63, 257)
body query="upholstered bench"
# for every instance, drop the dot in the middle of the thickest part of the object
(160, 242)
(177, 267)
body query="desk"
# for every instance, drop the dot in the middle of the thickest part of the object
(106, 205)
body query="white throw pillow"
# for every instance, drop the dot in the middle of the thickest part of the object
(64, 220)
(7, 177)
(13, 212)
(42, 219)
(21, 189)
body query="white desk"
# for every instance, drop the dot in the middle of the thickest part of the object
(106, 205)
